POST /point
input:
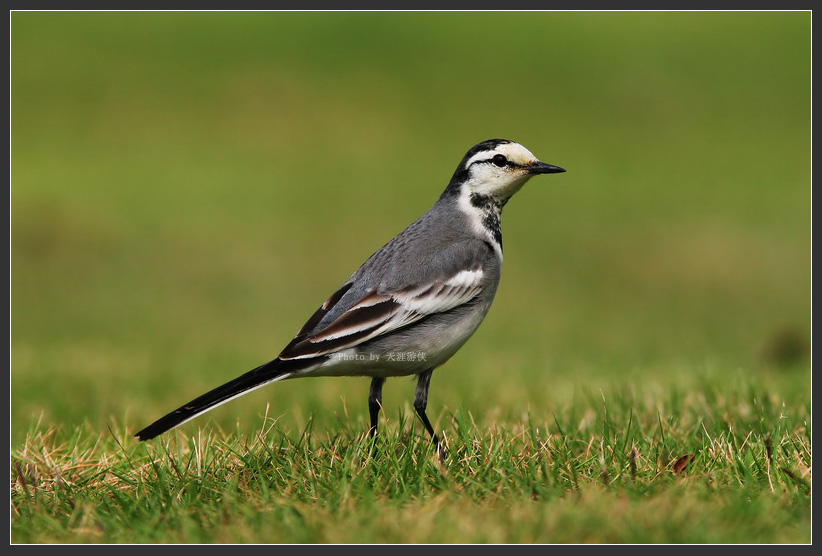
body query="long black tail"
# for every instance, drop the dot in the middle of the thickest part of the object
(262, 375)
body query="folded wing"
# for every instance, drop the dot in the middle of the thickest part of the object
(379, 313)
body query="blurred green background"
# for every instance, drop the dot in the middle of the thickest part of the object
(186, 188)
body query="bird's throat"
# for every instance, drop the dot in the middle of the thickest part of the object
(488, 212)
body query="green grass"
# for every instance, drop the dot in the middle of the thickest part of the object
(186, 188)
(704, 464)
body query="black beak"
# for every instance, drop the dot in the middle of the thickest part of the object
(543, 168)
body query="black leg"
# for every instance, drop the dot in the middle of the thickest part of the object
(420, 403)
(375, 403)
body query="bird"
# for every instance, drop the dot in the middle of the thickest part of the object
(412, 304)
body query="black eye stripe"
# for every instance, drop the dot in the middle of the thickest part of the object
(498, 160)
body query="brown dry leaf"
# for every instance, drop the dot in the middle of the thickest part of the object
(682, 463)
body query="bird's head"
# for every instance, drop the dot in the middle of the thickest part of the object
(496, 169)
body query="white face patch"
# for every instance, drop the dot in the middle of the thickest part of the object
(494, 176)
(499, 182)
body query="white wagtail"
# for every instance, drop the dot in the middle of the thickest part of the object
(413, 303)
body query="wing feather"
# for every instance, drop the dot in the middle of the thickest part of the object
(380, 313)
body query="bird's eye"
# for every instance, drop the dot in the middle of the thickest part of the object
(499, 160)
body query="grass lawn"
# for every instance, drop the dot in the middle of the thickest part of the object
(705, 464)
(187, 187)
